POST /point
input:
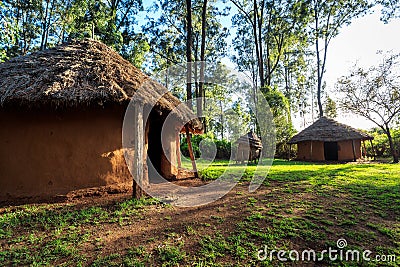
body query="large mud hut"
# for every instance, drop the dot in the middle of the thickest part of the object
(61, 115)
(329, 140)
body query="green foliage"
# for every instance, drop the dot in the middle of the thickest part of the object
(374, 94)
(135, 49)
(171, 255)
(329, 16)
(36, 25)
(206, 147)
(381, 142)
(304, 205)
(390, 10)
(166, 33)
(280, 109)
(330, 108)
(277, 29)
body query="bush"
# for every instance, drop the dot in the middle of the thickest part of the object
(381, 143)
(223, 149)
(204, 145)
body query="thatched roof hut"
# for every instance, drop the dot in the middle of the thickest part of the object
(250, 138)
(249, 147)
(82, 73)
(327, 139)
(61, 112)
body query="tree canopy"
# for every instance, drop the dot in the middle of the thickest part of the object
(280, 45)
(374, 94)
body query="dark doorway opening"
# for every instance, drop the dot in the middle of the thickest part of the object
(331, 150)
(154, 150)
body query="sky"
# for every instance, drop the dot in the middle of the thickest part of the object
(356, 43)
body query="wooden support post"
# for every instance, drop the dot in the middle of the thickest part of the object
(191, 151)
(365, 149)
(178, 150)
(354, 150)
(311, 151)
(139, 180)
(373, 149)
(290, 148)
(145, 150)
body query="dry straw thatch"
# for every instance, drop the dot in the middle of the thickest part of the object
(250, 138)
(329, 130)
(82, 73)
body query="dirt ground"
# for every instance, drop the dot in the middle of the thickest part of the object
(157, 224)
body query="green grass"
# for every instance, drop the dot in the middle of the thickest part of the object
(300, 206)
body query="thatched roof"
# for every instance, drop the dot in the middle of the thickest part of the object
(329, 130)
(250, 138)
(82, 73)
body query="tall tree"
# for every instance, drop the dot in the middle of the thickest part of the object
(189, 60)
(273, 25)
(21, 19)
(169, 42)
(30, 25)
(202, 58)
(375, 95)
(328, 17)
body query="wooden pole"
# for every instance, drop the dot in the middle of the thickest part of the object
(145, 149)
(290, 148)
(311, 151)
(178, 150)
(354, 150)
(365, 149)
(191, 151)
(138, 155)
(373, 149)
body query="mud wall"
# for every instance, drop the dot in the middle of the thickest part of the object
(345, 150)
(169, 165)
(304, 151)
(50, 153)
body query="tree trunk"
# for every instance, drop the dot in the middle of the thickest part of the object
(319, 78)
(391, 144)
(92, 35)
(44, 26)
(268, 72)
(260, 41)
(189, 52)
(139, 181)
(191, 154)
(202, 63)
(256, 42)
(48, 23)
(222, 119)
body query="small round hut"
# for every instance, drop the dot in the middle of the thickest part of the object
(329, 140)
(61, 116)
(249, 147)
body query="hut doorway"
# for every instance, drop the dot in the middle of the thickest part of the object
(331, 151)
(154, 150)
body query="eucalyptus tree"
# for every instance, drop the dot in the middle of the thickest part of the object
(271, 45)
(176, 36)
(112, 21)
(272, 26)
(220, 88)
(328, 17)
(20, 25)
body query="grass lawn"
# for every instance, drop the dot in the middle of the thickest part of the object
(300, 206)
